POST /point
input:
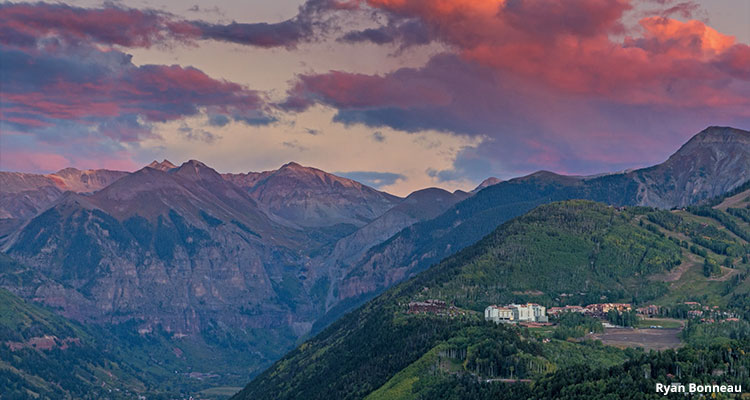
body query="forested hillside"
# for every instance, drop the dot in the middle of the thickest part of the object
(713, 162)
(574, 252)
(42, 355)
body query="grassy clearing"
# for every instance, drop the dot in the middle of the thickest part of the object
(220, 392)
(664, 323)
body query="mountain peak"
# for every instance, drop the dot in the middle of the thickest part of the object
(309, 196)
(68, 171)
(713, 137)
(711, 163)
(196, 169)
(720, 134)
(193, 163)
(165, 165)
(292, 165)
(309, 175)
(487, 182)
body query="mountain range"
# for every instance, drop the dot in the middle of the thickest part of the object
(713, 162)
(219, 264)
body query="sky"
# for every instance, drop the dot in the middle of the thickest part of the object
(398, 94)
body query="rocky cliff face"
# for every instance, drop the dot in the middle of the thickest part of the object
(713, 162)
(180, 249)
(191, 252)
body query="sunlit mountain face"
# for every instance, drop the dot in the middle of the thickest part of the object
(340, 169)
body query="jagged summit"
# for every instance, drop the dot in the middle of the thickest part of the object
(196, 170)
(67, 171)
(165, 165)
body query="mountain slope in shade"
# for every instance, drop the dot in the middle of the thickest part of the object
(309, 197)
(23, 195)
(184, 251)
(418, 206)
(714, 161)
(85, 360)
(421, 205)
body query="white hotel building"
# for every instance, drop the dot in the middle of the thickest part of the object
(530, 312)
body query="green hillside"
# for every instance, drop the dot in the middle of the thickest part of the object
(574, 252)
(42, 355)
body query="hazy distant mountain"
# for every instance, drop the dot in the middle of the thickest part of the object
(713, 162)
(184, 251)
(309, 197)
(22, 195)
(419, 206)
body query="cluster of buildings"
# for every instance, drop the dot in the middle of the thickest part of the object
(709, 314)
(694, 311)
(427, 306)
(649, 311)
(596, 310)
(432, 306)
(529, 312)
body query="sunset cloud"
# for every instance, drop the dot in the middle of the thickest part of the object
(103, 90)
(576, 86)
(525, 73)
(24, 23)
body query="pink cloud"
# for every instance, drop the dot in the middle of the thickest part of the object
(568, 44)
(24, 23)
(111, 25)
(350, 90)
(104, 89)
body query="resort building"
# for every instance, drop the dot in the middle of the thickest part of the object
(498, 314)
(530, 312)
